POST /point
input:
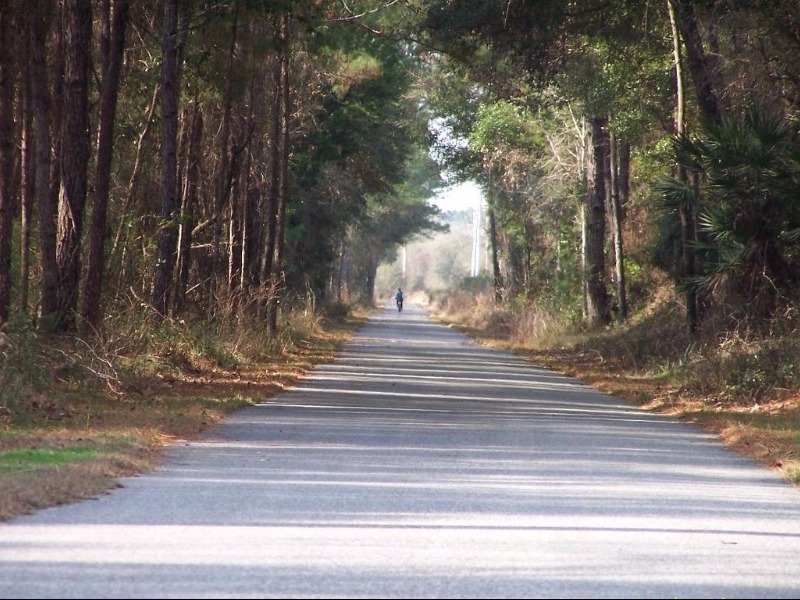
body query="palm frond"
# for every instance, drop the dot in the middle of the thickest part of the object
(677, 194)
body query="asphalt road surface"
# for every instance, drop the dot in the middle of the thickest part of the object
(423, 465)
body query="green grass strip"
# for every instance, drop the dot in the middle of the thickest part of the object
(32, 458)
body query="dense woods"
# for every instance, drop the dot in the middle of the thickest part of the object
(663, 124)
(244, 158)
(201, 159)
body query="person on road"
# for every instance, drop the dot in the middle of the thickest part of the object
(399, 299)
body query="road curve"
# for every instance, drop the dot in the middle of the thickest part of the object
(422, 465)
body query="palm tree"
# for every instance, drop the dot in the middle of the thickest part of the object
(747, 172)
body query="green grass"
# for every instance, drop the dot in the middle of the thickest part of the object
(28, 459)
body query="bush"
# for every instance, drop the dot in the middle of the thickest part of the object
(336, 310)
(23, 378)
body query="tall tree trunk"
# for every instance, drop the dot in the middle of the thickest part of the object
(40, 21)
(616, 215)
(516, 266)
(597, 293)
(169, 159)
(528, 258)
(74, 158)
(688, 219)
(283, 166)
(7, 88)
(245, 211)
(271, 208)
(624, 174)
(268, 277)
(28, 168)
(224, 180)
(112, 46)
(251, 233)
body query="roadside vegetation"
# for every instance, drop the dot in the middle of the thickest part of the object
(78, 415)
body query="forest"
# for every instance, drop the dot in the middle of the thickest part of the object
(219, 158)
(187, 168)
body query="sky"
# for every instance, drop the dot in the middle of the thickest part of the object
(462, 196)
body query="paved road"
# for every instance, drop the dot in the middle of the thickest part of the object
(422, 465)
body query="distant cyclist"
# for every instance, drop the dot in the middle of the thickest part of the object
(399, 299)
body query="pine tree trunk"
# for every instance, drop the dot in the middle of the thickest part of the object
(271, 208)
(584, 271)
(283, 166)
(169, 159)
(234, 237)
(7, 87)
(596, 291)
(28, 168)
(112, 45)
(74, 159)
(372, 273)
(341, 270)
(616, 223)
(223, 178)
(40, 21)
(253, 164)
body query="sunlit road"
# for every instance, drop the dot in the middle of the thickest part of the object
(422, 465)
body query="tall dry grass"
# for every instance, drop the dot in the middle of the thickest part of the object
(735, 360)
